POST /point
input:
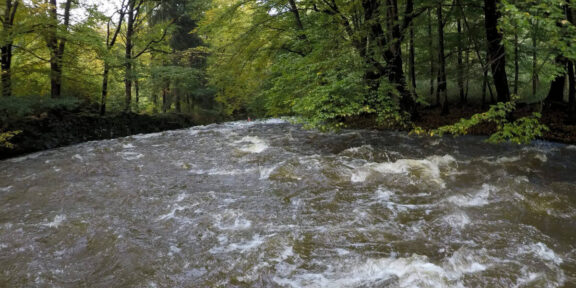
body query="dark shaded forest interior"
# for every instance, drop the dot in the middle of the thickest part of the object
(76, 70)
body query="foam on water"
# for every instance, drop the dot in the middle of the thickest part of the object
(231, 220)
(383, 194)
(128, 155)
(457, 220)
(252, 144)
(541, 251)
(502, 159)
(172, 214)
(265, 172)
(541, 156)
(480, 198)
(365, 152)
(414, 271)
(243, 246)
(58, 219)
(146, 136)
(220, 171)
(429, 169)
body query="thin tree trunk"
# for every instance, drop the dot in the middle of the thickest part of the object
(442, 85)
(137, 90)
(571, 89)
(460, 68)
(394, 57)
(6, 49)
(534, 61)
(297, 19)
(52, 43)
(411, 61)
(189, 103)
(571, 80)
(109, 44)
(516, 61)
(467, 65)
(104, 89)
(129, 74)
(496, 51)
(57, 47)
(476, 49)
(432, 62)
(484, 84)
(556, 92)
(177, 101)
(164, 98)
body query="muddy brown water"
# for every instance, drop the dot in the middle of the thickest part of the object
(268, 204)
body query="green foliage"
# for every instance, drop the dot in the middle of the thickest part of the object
(263, 64)
(519, 131)
(6, 136)
(17, 107)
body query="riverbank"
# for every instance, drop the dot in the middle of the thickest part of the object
(561, 130)
(59, 128)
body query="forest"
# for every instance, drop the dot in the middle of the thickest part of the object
(504, 68)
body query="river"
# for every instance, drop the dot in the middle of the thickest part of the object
(268, 204)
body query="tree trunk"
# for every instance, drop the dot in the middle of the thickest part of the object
(6, 61)
(484, 84)
(109, 44)
(477, 50)
(411, 54)
(571, 80)
(460, 68)
(442, 85)
(571, 89)
(496, 51)
(411, 62)
(516, 61)
(137, 91)
(534, 60)
(432, 63)
(165, 96)
(394, 57)
(296, 13)
(104, 96)
(129, 73)
(177, 101)
(467, 65)
(556, 92)
(6, 48)
(57, 47)
(52, 43)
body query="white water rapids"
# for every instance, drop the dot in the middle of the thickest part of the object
(268, 204)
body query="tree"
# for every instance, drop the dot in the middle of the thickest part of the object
(442, 83)
(7, 21)
(56, 44)
(136, 18)
(110, 41)
(496, 51)
(134, 9)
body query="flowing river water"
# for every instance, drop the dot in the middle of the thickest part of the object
(268, 204)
